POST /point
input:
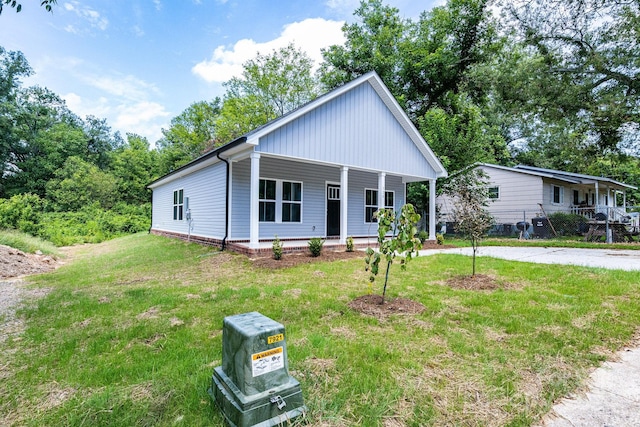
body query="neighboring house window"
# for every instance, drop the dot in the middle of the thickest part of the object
(291, 201)
(286, 195)
(371, 203)
(267, 196)
(178, 205)
(494, 193)
(557, 194)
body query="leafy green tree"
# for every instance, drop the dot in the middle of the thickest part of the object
(100, 141)
(48, 4)
(190, 135)
(79, 184)
(270, 86)
(238, 116)
(373, 42)
(442, 49)
(13, 67)
(43, 156)
(134, 167)
(469, 191)
(588, 59)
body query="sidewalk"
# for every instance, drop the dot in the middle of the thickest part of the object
(613, 398)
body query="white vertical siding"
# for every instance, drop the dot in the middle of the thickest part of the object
(356, 130)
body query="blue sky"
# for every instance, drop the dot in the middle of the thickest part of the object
(139, 63)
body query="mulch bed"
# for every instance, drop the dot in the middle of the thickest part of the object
(372, 305)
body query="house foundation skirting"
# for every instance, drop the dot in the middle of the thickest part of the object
(289, 246)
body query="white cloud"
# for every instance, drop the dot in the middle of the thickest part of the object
(145, 118)
(310, 35)
(343, 7)
(90, 15)
(128, 87)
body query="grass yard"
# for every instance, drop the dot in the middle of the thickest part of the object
(130, 332)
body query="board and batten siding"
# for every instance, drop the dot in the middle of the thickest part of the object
(206, 192)
(356, 130)
(314, 179)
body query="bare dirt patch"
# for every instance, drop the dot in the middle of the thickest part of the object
(479, 282)
(15, 263)
(372, 305)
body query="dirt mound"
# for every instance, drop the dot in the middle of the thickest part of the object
(15, 263)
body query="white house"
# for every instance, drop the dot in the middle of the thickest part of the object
(522, 192)
(319, 171)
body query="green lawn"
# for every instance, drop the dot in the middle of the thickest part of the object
(131, 331)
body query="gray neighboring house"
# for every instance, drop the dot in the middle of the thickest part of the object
(319, 171)
(517, 192)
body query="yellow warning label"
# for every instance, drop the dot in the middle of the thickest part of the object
(266, 353)
(267, 361)
(275, 338)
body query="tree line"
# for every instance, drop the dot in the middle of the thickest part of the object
(548, 83)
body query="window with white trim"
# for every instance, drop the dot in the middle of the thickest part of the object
(557, 194)
(371, 203)
(291, 201)
(494, 193)
(178, 205)
(267, 196)
(280, 201)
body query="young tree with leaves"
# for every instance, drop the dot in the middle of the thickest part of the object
(402, 242)
(470, 193)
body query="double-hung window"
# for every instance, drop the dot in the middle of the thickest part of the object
(178, 205)
(280, 201)
(267, 196)
(557, 194)
(291, 201)
(371, 203)
(494, 193)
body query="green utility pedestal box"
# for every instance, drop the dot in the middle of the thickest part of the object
(253, 386)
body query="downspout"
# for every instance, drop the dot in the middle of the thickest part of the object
(226, 207)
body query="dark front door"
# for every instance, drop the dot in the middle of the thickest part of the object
(333, 210)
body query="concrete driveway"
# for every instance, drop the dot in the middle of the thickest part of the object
(613, 398)
(603, 258)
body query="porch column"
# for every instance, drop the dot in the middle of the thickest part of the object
(344, 203)
(381, 189)
(432, 209)
(254, 203)
(597, 198)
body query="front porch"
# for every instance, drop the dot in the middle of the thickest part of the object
(289, 246)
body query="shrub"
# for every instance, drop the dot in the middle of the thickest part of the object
(22, 212)
(277, 248)
(567, 224)
(315, 246)
(440, 239)
(349, 244)
(423, 236)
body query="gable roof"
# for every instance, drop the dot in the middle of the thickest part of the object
(252, 138)
(572, 178)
